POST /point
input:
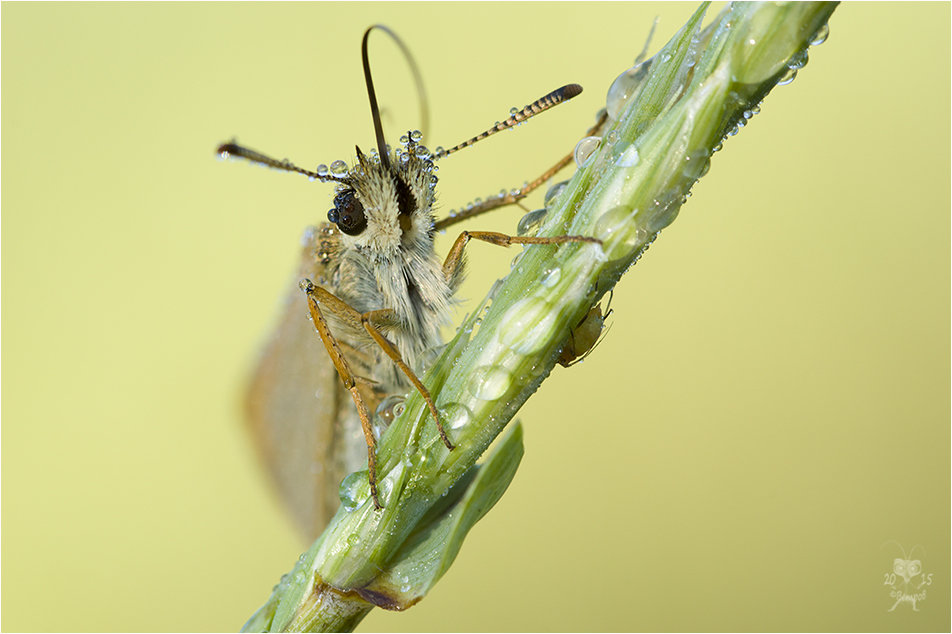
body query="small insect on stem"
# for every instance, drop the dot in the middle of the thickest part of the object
(586, 335)
(377, 296)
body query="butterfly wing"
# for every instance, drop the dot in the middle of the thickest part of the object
(302, 419)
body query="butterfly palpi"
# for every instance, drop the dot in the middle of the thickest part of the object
(377, 295)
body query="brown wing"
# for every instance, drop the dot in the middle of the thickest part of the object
(302, 419)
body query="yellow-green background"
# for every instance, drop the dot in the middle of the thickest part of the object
(768, 411)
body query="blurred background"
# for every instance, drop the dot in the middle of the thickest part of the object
(764, 429)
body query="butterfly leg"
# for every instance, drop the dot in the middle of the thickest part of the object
(315, 297)
(318, 297)
(391, 351)
(454, 259)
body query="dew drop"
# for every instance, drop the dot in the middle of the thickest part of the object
(705, 168)
(339, 168)
(416, 459)
(455, 415)
(389, 409)
(322, 170)
(585, 149)
(553, 192)
(551, 277)
(516, 259)
(387, 486)
(527, 325)
(404, 139)
(490, 383)
(626, 87)
(615, 231)
(799, 60)
(820, 36)
(416, 135)
(530, 223)
(629, 158)
(663, 211)
(354, 490)
(788, 77)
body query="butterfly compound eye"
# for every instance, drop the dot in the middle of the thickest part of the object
(348, 213)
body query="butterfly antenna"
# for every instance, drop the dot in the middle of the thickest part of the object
(417, 77)
(372, 95)
(538, 106)
(233, 150)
